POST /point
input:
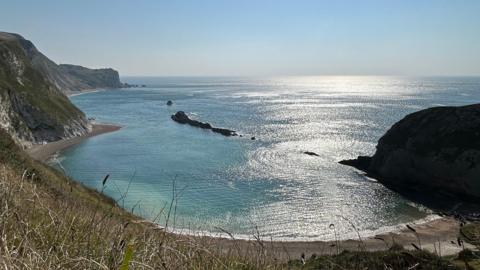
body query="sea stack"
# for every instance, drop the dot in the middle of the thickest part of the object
(434, 149)
(182, 118)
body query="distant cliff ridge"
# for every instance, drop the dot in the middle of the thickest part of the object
(66, 78)
(85, 78)
(33, 104)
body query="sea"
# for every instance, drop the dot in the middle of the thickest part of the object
(194, 181)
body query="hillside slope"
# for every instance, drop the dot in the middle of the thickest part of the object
(50, 222)
(33, 108)
(66, 78)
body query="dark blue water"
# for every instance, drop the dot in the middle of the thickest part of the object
(268, 184)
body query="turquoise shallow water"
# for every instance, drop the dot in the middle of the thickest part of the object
(268, 184)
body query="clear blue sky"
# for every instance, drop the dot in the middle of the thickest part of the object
(254, 37)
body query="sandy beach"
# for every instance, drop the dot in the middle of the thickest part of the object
(84, 91)
(438, 236)
(45, 151)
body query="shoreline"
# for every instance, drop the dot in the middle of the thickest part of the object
(435, 235)
(43, 152)
(438, 236)
(86, 91)
(365, 234)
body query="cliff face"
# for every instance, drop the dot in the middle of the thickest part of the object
(33, 108)
(66, 78)
(433, 149)
(85, 78)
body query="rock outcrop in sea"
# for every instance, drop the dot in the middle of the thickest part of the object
(436, 149)
(182, 118)
(311, 153)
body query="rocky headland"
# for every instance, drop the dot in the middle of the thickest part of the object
(436, 150)
(82, 78)
(33, 106)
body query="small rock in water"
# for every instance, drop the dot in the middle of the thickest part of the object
(169, 103)
(253, 138)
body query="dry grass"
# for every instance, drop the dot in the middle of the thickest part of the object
(41, 229)
(46, 228)
(471, 233)
(50, 222)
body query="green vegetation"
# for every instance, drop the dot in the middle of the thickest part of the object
(48, 221)
(31, 86)
(470, 259)
(31, 105)
(391, 259)
(471, 233)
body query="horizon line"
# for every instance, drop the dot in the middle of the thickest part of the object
(306, 75)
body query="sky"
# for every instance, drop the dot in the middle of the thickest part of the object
(254, 37)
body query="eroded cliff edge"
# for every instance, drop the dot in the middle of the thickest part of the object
(33, 106)
(433, 150)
